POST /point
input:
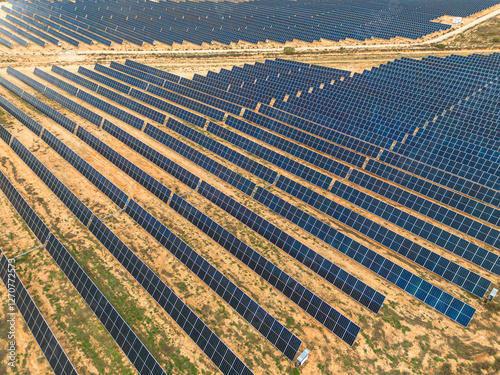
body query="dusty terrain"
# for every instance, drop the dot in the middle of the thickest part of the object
(406, 337)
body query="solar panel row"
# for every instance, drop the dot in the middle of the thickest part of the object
(341, 279)
(412, 284)
(210, 165)
(102, 183)
(344, 328)
(31, 124)
(196, 329)
(451, 271)
(50, 346)
(29, 216)
(227, 153)
(146, 180)
(451, 242)
(298, 169)
(428, 208)
(254, 314)
(128, 341)
(75, 205)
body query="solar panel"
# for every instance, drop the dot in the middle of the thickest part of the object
(75, 205)
(341, 279)
(126, 339)
(152, 155)
(146, 180)
(291, 288)
(23, 118)
(451, 242)
(428, 208)
(415, 285)
(92, 174)
(451, 271)
(47, 341)
(252, 312)
(227, 153)
(24, 210)
(75, 78)
(196, 329)
(10, 86)
(56, 81)
(276, 158)
(212, 166)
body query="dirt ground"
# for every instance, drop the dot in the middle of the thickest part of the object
(406, 337)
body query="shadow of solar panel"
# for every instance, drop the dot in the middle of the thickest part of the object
(196, 329)
(152, 155)
(94, 176)
(227, 153)
(51, 349)
(126, 339)
(341, 279)
(75, 205)
(451, 271)
(24, 210)
(210, 165)
(416, 286)
(259, 318)
(291, 288)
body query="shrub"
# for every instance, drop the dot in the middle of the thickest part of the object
(440, 46)
(496, 40)
(289, 50)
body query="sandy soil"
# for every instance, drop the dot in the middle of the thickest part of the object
(405, 337)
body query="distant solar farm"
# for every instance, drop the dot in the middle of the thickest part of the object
(148, 23)
(307, 208)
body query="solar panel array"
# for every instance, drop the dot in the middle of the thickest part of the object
(197, 330)
(29, 216)
(75, 205)
(409, 249)
(253, 313)
(227, 22)
(128, 341)
(51, 349)
(391, 133)
(124, 336)
(208, 341)
(341, 279)
(307, 300)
